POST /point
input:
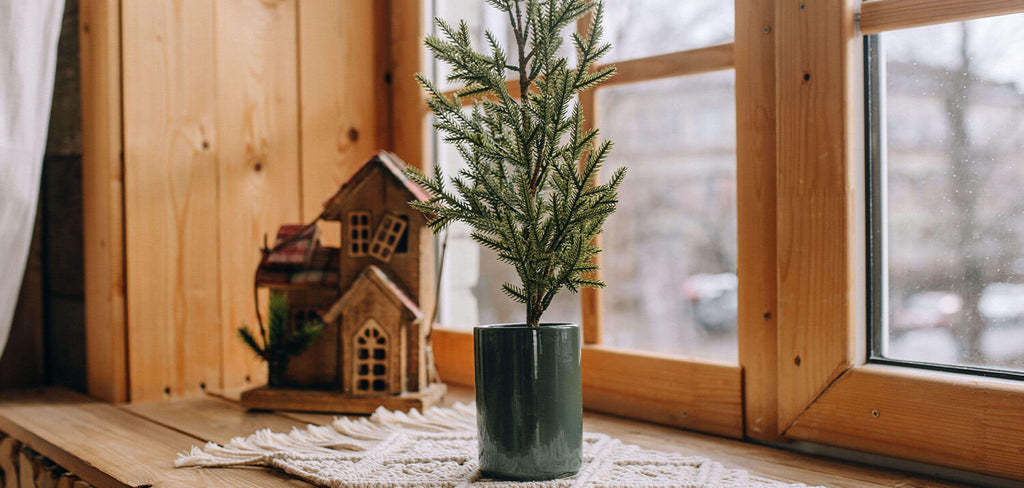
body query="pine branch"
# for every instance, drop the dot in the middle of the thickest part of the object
(281, 342)
(529, 188)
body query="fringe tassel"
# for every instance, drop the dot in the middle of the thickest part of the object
(343, 434)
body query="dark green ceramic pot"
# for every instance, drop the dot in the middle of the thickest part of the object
(529, 401)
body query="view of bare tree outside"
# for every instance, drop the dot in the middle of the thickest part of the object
(954, 111)
(670, 250)
(641, 28)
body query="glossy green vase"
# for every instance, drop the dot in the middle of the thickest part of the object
(529, 401)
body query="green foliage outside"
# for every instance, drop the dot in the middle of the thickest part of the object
(530, 189)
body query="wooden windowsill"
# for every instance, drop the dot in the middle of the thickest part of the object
(135, 445)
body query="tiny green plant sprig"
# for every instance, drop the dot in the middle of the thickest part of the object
(529, 189)
(281, 343)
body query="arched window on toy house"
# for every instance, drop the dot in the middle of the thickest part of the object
(371, 359)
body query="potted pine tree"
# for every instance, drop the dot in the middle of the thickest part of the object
(530, 193)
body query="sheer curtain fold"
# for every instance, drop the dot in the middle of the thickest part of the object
(28, 58)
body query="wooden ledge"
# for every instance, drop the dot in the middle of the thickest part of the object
(135, 445)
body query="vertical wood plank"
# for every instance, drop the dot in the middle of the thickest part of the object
(591, 299)
(408, 117)
(28, 468)
(171, 224)
(755, 181)
(257, 157)
(103, 199)
(342, 94)
(9, 449)
(815, 194)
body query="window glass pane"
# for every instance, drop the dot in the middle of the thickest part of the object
(670, 251)
(641, 28)
(954, 109)
(471, 281)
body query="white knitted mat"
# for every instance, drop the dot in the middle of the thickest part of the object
(438, 449)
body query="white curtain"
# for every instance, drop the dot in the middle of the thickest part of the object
(28, 57)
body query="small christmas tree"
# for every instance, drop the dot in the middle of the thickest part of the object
(279, 342)
(530, 189)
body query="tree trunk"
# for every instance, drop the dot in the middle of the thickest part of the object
(964, 189)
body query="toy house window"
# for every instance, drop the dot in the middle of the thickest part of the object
(358, 233)
(371, 361)
(403, 241)
(387, 237)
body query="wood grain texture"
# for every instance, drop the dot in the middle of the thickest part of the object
(815, 199)
(342, 94)
(257, 157)
(591, 299)
(265, 398)
(29, 470)
(657, 388)
(407, 134)
(664, 389)
(110, 447)
(756, 236)
(691, 62)
(211, 419)
(960, 421)
(9, 449)
(766, 461)
(103, 199)
(453, 356)
(882, 15)
(680, 63)
(171, 224)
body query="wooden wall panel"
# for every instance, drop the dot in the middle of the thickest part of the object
(171, 225)
(816, 190)
(102, 199)
(257, 157)
(755, 181)
(343, 94)
(233, 117)
(407, 136)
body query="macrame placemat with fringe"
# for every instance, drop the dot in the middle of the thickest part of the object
(437, 448)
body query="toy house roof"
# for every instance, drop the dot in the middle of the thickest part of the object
(385, 160)
(297, 259)
(374, 276)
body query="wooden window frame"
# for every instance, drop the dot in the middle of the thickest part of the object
(803, 373)
(832, 395)
(692, 393)
(697, 394)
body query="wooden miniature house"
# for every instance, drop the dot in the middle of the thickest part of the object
(368, 292)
